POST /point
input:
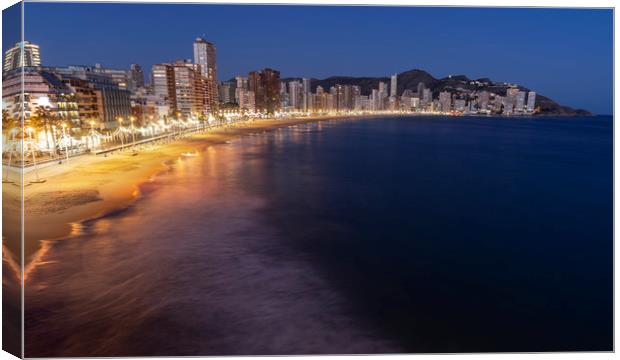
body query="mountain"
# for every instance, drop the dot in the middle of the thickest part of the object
(454, 84)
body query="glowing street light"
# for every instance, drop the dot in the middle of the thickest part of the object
(133, 131)
(64, 137)
(92, 133)
(120, 131)
(34, 159)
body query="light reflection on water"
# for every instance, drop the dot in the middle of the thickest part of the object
(191, 268)
(439, 234)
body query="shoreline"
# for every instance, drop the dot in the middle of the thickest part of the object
(89, 187)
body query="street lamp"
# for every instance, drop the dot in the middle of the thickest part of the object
(133, 132)
(92, 134)
(64, 137)
(34, 159)
(120, 131)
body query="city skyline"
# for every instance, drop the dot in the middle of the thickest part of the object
(285, 180)
(554, 68)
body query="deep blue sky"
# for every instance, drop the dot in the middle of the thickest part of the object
(565, 54)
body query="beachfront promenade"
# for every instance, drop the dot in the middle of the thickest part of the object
(107, 144)
(126, 139)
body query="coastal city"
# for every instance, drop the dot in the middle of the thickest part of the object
(244, 179)
(74, 109)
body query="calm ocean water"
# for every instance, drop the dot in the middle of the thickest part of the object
(422, 234)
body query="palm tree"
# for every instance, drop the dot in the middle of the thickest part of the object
(44, 119)
(8, 121)
(39, 120)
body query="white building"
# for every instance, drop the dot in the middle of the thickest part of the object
(13, 56)
(520, 102)
(393, 85)
(531, 101)
(295, 94)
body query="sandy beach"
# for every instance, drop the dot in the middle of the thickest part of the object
(92, 186)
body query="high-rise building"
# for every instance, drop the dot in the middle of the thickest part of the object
(204, 55)
(89, 101)
(284, 98)
(296, 95)
(247, 99)
(320, 99)
(348, 93)
(445, 101)
(393, 85)
(415, 103)
(190, 92)
(162, 82)
(531, 101)
(242, 84)
(405, 100)
(227, 90)
(376, 100)
(266, 87)
(182, 87)
(498, 102)
(383, 88)
(520, 102)
(427, 97)
(421, 91)
(510, 100)
(111, 85)
(136, 77)
(13, 57)
(483, 100)
(306, 94)
(24, 91)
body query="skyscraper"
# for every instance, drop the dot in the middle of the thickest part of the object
(246, 99)
(393, 86)
(13, 56)
(483, 100)
(421, 90)
(242, 84)
(510, 100)
(162, 81)
(266, 87)
(204, 55)
(520, 102)
(227, 91)
(445, 101)
(190, 91)
(182, 87)
(306, 93)
(531, 101)
(427, 97)
(136, 78)
(296, 94)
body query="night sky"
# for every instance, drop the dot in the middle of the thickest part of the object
(565, 54)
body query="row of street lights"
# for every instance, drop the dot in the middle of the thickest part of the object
(120, 120)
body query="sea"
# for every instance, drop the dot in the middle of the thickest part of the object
(423, 234)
